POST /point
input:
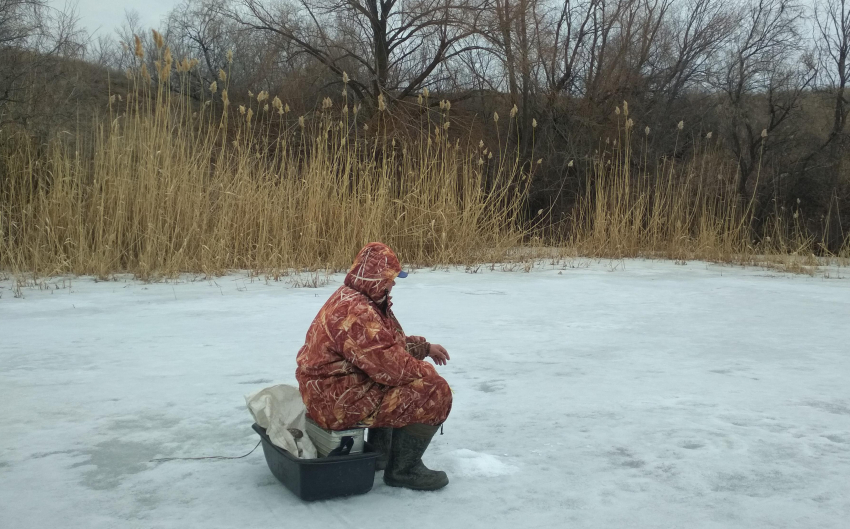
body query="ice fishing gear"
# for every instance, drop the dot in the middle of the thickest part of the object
(324, 477)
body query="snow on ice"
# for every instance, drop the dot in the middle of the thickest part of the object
(630, 394)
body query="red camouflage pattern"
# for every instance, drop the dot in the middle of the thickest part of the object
(357, 367)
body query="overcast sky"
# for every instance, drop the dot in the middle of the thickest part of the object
(103, 16)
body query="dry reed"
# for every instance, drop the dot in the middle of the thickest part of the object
(167, 185)
(682, 211)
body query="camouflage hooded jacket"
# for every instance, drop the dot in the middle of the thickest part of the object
(355, 348)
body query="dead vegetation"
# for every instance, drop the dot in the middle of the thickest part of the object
(166, 184)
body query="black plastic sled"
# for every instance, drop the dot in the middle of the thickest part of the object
(322, 478)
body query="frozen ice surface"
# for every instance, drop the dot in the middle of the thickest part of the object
(632, 395)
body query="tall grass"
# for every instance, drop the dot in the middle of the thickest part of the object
(167, 183)
(681, 210)
(675, 210)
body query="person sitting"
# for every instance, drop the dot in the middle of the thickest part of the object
(357, 368)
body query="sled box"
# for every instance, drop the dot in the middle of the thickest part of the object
(327, 440)
(324, 478)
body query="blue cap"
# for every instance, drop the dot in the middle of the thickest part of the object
(402, 274)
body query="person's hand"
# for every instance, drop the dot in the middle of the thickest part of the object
(438, 354)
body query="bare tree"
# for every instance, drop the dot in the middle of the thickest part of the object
(600, 52)
(384, 46)
(833, 29)
(696, 34)
(573, 38)
(574, 27)
(765, 75)
(130, 28)
(32, 34)
(510, 30)
(199, 29)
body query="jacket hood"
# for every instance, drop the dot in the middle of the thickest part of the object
(373, 271)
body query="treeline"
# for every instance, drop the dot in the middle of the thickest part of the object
(763, 82)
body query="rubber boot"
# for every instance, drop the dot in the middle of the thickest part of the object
(381, 439)
(405, 467)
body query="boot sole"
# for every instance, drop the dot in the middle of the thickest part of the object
(402, 484)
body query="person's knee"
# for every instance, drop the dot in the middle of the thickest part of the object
(439, 384)
(444, 395)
